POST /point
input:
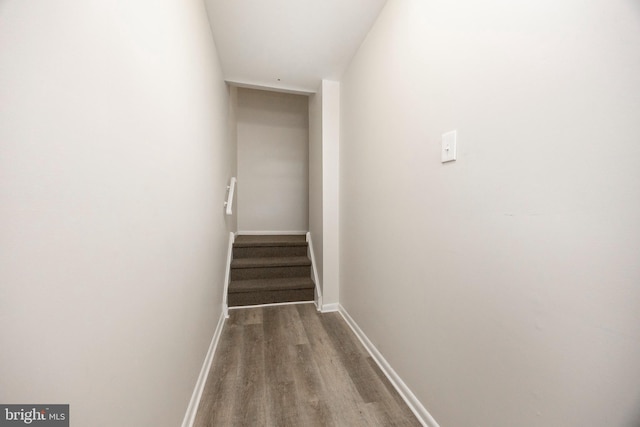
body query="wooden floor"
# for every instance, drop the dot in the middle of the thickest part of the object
(292, 366)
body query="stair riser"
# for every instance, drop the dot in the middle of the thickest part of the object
(270, 272)
(269, 297)
(279, 284)
(269, 251)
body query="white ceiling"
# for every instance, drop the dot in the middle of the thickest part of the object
(289, 44)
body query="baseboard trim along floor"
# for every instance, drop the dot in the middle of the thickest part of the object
(410, 399)
(271, 233)
(421, 413)
(192, 409)
(328, 308)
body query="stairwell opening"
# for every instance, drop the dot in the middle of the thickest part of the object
(270, 255)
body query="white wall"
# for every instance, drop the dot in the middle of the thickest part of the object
(324, 131)
(504, 287)
(330, 178)
(113, 166)
(232, 129)
(315, 180)
(273, 161)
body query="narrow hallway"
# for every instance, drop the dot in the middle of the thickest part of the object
(289, 365)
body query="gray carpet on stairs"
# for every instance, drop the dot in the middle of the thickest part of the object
(270, 269)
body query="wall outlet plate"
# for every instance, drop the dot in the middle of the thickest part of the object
(449, 146)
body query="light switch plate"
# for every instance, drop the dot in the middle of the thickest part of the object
(449, 145)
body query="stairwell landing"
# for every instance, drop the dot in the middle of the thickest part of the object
(270, 269)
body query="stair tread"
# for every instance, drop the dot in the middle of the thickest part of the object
(263, 285)
(270, 262)
(269, 240)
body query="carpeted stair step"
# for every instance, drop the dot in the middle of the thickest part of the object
(269, 246)
(271, 267)
(269, 297)
(255, 285)
(267, 291)
(269, 240)
(269, 251)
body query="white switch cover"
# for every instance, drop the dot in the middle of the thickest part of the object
(449, 142)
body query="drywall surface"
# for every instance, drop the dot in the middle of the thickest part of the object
(324, 137)
(503, 287)
(330, 187)
(232, 129)
(273, 161)
(113, 167)
(315, 180)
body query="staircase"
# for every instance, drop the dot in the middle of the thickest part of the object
(270, 269)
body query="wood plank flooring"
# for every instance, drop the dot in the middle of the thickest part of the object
(292, 366)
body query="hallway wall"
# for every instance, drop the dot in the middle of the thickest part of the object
(324, 135)
(113, 165)
(503, 287)
(273, 161)
(315, 180)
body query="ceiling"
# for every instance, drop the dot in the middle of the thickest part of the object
(289, 45)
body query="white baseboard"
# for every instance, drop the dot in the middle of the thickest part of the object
(411, 400)
(328, 308)
(192, 409)
(271, 233)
